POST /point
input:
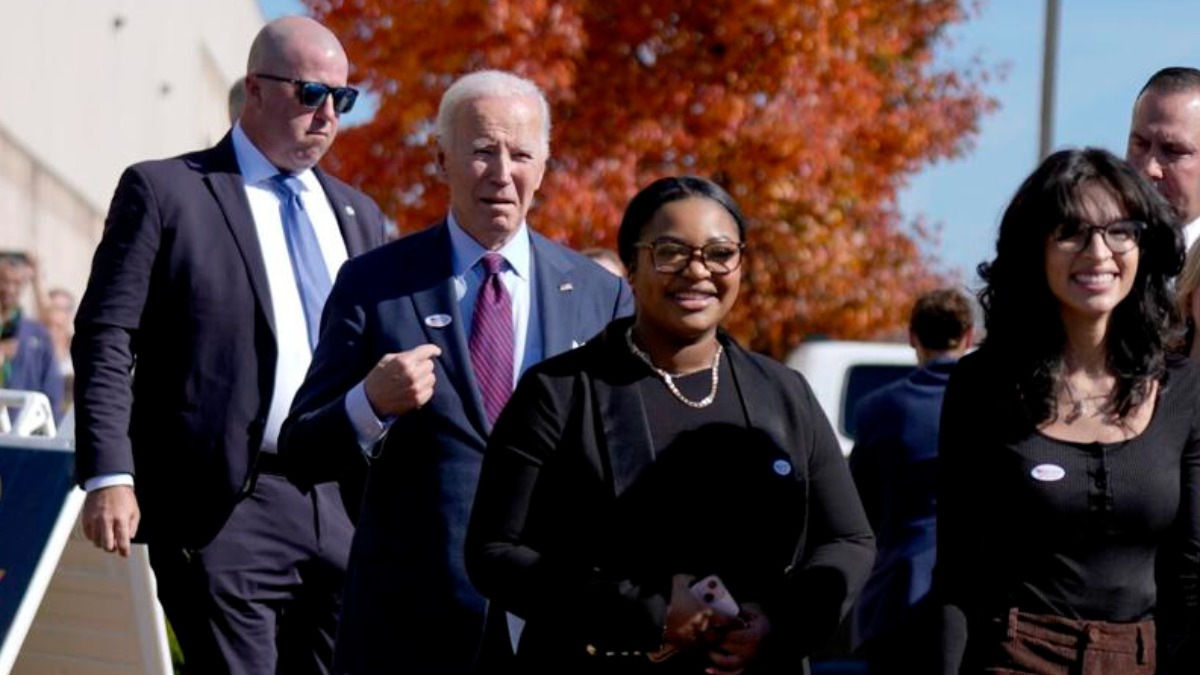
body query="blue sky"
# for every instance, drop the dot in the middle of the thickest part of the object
(1107, 49)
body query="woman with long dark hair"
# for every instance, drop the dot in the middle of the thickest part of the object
(1070, 443)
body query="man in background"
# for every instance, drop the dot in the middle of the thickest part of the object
(1164, 141)
(210, 277)
(426, 338)
(27, 360)
(894, 462)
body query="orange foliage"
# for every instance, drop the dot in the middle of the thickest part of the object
(812, 113)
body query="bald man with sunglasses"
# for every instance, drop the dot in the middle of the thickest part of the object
(210, 278)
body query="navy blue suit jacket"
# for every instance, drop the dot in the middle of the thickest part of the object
(408, 605)
(894, 463)
(178, 287)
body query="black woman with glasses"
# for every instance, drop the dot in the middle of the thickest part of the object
(662, 500)
(1069, 493)
(211, 277)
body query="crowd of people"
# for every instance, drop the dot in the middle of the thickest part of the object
(475, 450)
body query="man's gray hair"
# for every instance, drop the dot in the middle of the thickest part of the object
(488, 84)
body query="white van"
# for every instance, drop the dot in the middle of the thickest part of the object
(842, 372)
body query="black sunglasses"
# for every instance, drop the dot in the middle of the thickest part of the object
(312, 94)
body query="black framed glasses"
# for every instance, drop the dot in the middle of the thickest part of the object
(1120, 237)
(312, 94)
(671, 256)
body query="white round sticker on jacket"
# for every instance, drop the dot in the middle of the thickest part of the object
(1048, 473)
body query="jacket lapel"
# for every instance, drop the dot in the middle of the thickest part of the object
(622, 410)
(347, 218)
(555, 290)
(225, 181)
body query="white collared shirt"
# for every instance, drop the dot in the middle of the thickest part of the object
(291, 328)
(1191, 232)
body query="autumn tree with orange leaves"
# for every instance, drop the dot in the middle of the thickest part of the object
(812, 113)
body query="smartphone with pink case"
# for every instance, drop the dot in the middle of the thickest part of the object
(711, 591)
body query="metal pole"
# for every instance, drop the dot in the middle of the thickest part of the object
(1049, 67)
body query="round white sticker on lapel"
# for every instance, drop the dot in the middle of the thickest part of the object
(1048, 473)
(782, 467)
(437, 320)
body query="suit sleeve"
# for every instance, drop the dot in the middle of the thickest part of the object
(317, 439)
(864, 460)
(838, 548)
(106, 326)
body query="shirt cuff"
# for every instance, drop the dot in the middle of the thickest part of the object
(368, 428)
(107, 480)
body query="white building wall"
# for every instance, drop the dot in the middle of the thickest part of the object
(91, 86)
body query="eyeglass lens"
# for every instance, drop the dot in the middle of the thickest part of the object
(719, 257)
(1119, 237)
(312, 95)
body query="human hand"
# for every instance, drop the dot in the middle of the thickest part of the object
(111, 517)
(735, 647)
(402, 381)
(690, 621)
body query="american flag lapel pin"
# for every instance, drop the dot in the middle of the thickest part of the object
(349, 210)
(566, 287)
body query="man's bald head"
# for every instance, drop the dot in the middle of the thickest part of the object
(286, 51)
(280, 43)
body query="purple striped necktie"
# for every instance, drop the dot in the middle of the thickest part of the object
(491, 341)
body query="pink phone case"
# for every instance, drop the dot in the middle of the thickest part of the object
(711, 591)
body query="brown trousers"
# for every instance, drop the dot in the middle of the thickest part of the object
(1040, 644)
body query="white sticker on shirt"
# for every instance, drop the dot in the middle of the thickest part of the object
(1048, 473)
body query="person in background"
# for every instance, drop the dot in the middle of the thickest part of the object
(426, 338)
(210, 277)
(27, 360)
(1164, 141)
(623, 473)
(56, 311)
(1070, 443)
(1187, 302)
(608, 259)
(237, 99)
(894, 465)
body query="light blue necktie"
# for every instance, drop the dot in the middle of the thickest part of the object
(308, 265)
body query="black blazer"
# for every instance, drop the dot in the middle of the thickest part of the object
(178, 288)
(575, 518)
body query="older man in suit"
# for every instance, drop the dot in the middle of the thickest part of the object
(210, 278)
(424, 340)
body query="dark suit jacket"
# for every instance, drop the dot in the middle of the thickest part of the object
(408, 605)
(894, 464)
(178, 287)
(578, 526)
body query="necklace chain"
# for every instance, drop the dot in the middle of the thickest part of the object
(669, 380)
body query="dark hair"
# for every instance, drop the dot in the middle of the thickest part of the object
(1017, 295)
(651, 198)
(940, 319)
(1172, 80)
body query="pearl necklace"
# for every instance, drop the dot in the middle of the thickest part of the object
(669, 380)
